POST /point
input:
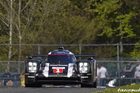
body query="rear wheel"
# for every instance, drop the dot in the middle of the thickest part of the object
(88, 84)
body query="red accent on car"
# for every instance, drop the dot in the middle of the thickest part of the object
(58, 70)
(60, 54)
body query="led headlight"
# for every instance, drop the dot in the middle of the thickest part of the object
(80, 64)
(85, 64)
(32, 67)
(34, 64)
(30, 63)
(83, 67)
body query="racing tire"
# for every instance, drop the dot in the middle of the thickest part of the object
(84, 85)
(92, 85)
(33, 85)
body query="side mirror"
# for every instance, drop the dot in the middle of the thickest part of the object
(90, 58)
(29, 57)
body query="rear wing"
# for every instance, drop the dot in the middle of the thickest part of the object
(80, 57)
(37, 56)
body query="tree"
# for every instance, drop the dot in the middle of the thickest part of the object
(15, 23)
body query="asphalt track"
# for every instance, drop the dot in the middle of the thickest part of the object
(48, 90)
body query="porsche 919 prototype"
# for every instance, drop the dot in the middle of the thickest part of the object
(60, 67)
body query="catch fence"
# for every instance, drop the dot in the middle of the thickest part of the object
(113, 56)
(114, 68)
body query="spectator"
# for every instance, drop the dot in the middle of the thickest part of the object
(9, 83)
(103, 75)
(137, 74)
(6, 77)
(128, 72)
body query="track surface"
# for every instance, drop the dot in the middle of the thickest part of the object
(47, 90)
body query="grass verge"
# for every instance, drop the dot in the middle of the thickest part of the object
(133, 88)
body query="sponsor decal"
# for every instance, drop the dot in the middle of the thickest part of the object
(58, 69)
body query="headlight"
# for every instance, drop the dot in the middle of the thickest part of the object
(83, 67)
(80, 64)
(30, 63)
(34, 64)
(86, 69)
(86, 64)
(32, 67)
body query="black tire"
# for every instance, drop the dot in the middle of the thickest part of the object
(84, 85)
(95, 84)
(33, 85)
(89, 85)
(28, 85)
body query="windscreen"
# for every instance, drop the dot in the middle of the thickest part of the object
(61, 58)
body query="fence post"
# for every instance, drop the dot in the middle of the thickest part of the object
(80, 50)
(118, 52)
(118, 63)
(38, 49)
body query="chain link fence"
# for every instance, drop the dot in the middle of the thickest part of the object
(117, 74)
(108, 54)
(12, 77)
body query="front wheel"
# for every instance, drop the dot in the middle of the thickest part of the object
(33, 85)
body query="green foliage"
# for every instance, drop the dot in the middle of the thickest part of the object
(135, 54)
(125, 27)
(106, 14)
(69, 22)
(112, 22)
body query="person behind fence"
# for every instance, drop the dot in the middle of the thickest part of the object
(7, 78)
(103, 75)
(128, 72)
(137, 74)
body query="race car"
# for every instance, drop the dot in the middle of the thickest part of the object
(60, 67)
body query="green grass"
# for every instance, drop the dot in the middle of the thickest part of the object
(133, 88)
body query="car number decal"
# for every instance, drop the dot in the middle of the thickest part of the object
(58, 69)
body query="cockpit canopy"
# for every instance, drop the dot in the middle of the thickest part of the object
(61, 56)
